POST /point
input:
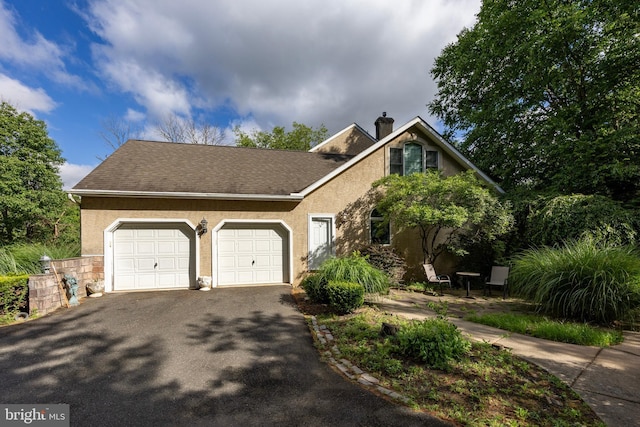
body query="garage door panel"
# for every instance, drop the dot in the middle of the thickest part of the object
(167, 264)
(146, 281)
(125, 248)
(152, 256)
(263, 246)
(124, 265)
(251, 254)
(245, 261)
(141, 234)
(264, 260)
(244, 246)
(167, 248)
(144, 264)
(226, 262)
(145, 248)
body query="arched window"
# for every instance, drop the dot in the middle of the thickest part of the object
(380, 229)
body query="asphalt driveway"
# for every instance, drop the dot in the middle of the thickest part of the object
(226, 357)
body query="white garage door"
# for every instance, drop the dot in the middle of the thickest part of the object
(252, 254)
(152, 256)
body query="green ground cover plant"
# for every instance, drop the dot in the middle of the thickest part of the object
(550, 329)
(485, 386)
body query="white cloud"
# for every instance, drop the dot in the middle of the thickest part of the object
(279, 61)
(35, 53)
(25, 98)
(71, 174)
(134, 115)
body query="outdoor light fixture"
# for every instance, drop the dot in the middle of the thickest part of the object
(203, 226)
(45, 264)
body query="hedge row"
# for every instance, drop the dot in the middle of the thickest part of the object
(14, 291)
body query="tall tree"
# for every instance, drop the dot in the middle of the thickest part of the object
(31, 196)
(301, 137)
(449, 213)
(544, 94)
(173, 128)
(116, 131)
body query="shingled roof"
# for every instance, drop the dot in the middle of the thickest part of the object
(164, 167)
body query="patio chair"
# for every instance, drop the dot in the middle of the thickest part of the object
(499, 277)
(432, 277)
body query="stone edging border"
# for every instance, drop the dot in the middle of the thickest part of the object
(348, 369)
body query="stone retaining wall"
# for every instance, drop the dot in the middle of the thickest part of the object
(45, 294)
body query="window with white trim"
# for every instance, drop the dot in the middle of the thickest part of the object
(380, 229)
(412, 158)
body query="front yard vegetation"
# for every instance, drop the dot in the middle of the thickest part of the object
(442, 373)
(344, 282)
(584, 280)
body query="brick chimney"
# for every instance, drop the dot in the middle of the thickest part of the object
(384, 126)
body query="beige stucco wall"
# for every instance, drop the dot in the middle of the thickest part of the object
(350, 142)
(348, 196)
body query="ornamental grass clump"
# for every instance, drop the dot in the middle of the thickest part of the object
(583, 280)
(354, 269)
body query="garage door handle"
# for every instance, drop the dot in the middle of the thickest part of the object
(253, 262)
(155, 265)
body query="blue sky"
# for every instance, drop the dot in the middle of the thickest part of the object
(250, 63)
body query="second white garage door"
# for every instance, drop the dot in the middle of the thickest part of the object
(250, 254)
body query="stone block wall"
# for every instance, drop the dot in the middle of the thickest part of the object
(45, 294)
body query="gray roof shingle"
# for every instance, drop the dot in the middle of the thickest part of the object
(149, 166)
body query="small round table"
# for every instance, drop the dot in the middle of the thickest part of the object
(468, 275)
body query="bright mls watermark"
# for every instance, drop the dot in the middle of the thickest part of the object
(37, 415)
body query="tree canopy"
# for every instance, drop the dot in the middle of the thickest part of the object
(544, 94)
(301, 137)
(31, 196)
(449, 212)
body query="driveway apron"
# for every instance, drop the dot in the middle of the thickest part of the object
(227, 357)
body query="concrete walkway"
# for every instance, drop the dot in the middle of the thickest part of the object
(607, 379)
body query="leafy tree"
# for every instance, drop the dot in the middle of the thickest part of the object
(553, 220)
(31, 195)
(301, 138)
(544, 94)
(444, 210)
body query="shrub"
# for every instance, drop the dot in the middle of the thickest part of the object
(583, 280)
(345, 297)
(384, 258)
(353, 268)
(315, 288)
(13, 295)
(435, 342)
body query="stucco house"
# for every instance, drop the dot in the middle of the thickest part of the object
(164, 214)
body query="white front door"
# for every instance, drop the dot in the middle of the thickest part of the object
(320, 241)
(250, 254)
(152, 256)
